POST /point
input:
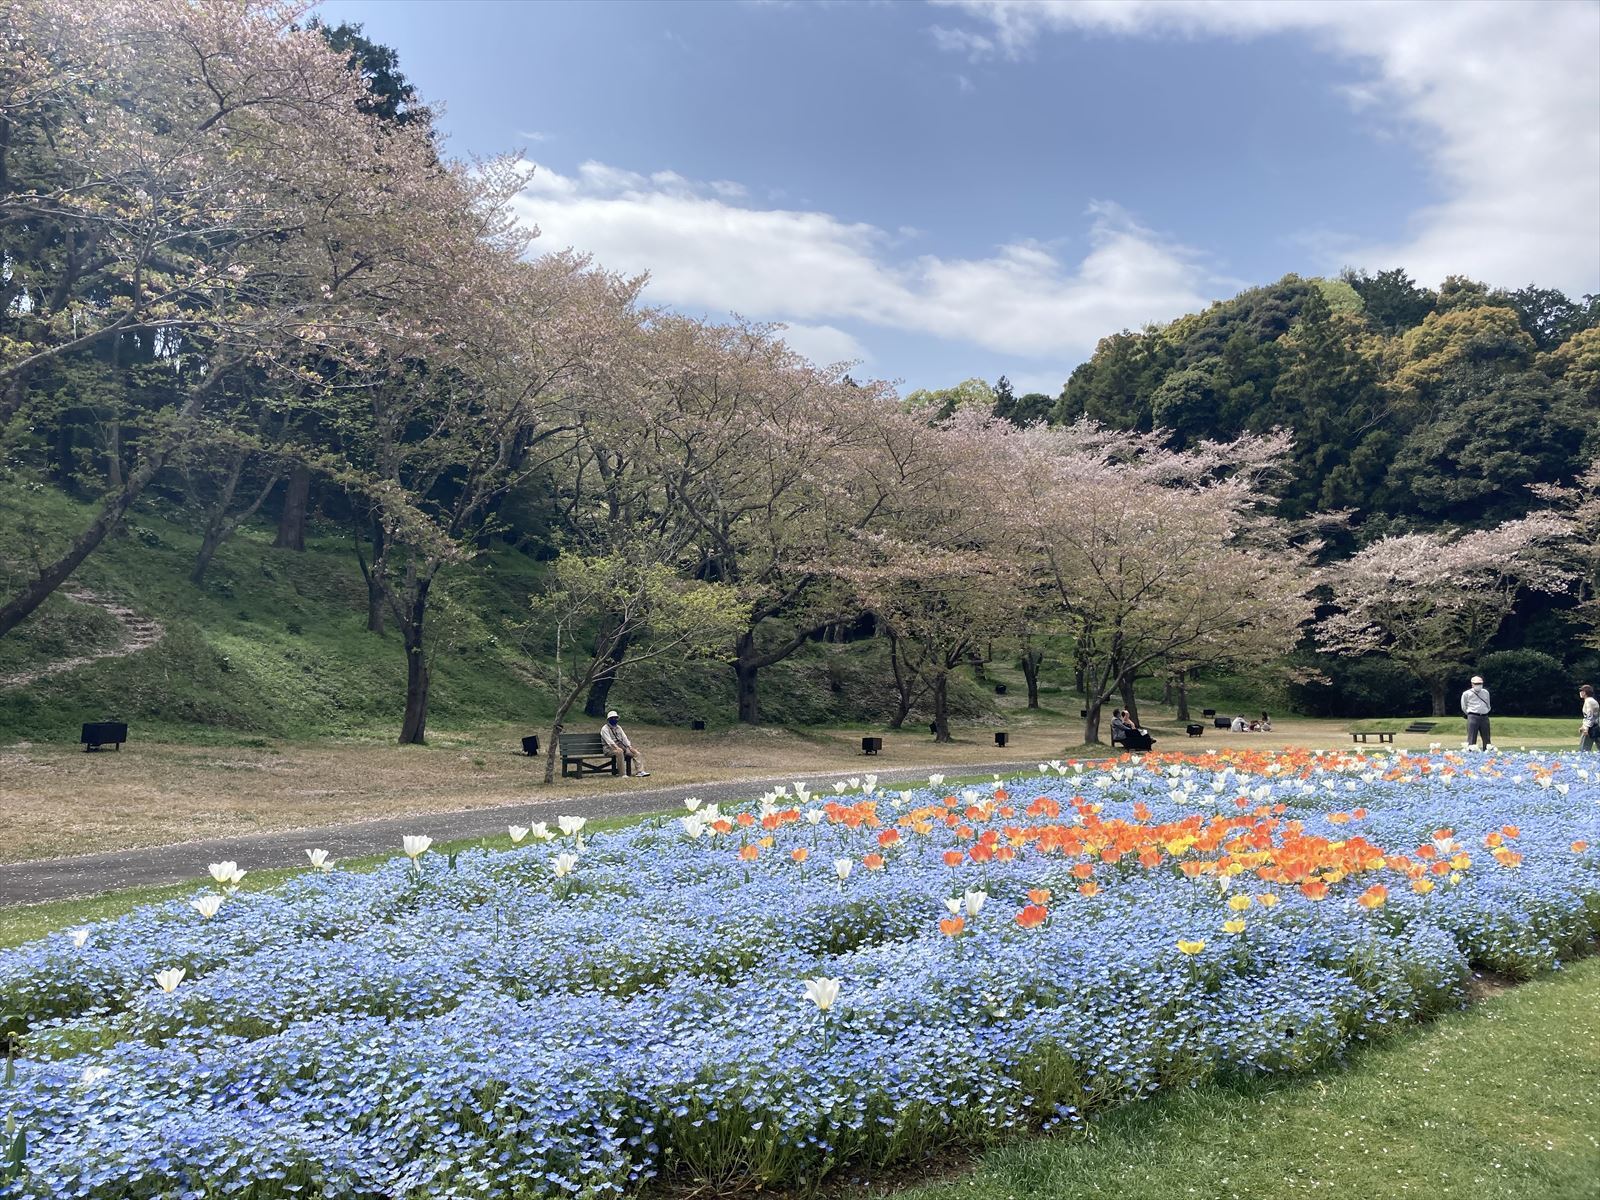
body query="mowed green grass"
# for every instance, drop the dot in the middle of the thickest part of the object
(1498, 1102)
(1508, 732)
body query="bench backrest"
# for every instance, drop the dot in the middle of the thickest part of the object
(578, 744)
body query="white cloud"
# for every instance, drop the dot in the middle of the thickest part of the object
(1502, 96)
(532, 135)
(816, 270)
(824, 344)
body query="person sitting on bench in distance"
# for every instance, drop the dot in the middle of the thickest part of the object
(1126, 731)
(619, 746)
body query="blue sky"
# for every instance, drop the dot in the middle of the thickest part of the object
(986, 188)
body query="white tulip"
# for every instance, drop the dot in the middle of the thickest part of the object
(1563, 788)
(80, 937)
(693, 825)
(814, 816)
(541, 830)
(517, 832)
(169, 979)
(935, 780)
(822, 992)
(839, 786)
(320, 860)
(223, 872)
(954, 905)
(207, 906)
(842, 868)
(93, 1075)
(572, 825)
(975, 902)
(564, 864)
(416, 845)
(692, 803)
(801, 792)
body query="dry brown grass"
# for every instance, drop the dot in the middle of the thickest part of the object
(55, 800)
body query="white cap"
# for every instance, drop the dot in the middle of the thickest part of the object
(613, 712)
(1477, 679)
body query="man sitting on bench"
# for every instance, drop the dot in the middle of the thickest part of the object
(618, 746)
(1126, 733)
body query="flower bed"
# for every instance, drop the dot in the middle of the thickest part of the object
(1012, 957)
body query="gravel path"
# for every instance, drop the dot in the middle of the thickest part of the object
(91, 874)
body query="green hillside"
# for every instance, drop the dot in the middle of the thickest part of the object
(275, 644)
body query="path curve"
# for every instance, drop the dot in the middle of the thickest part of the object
(138, 633)
(90, 874)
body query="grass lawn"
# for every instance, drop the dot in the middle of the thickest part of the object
(1500, 1101)
(1509, 732)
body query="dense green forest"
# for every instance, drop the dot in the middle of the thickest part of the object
(318, 409)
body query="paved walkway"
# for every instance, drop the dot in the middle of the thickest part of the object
(91, 874)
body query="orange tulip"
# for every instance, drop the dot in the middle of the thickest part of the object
(1579, 846)
(873, 862)
(1083, 870)
(1039, 895)
(745, 819)
(750, 853)
(889, 837)
(953, 858)
(1314, 889)
(1089, 889)
(952, 926)
(1374, 897)
(800, 855)
(1032, 915)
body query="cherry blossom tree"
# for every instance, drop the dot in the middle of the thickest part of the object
(203, 178)
(1432, 601)
(1154, 554)
(1576, 509)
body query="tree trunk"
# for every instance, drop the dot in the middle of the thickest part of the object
(745, 675)
(210, 542)
(296, 504)
(376, 607)
(114, 454)
(1183, 696)
(941, 713)
(1091, 723)
(1166, 691)
(1031, 660)
(216, 520)
(600, 689)
(1129, 700)
(903, 683)
(1435, 690)
(414, 727)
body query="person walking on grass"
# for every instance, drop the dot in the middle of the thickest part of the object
(1475, 707)
(1590, 739)
(620, 748)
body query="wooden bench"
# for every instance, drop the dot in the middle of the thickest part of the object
(1380, 735)
(579, 752)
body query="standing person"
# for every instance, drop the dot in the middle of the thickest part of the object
(1591, 719)
(1475, 707)
(617, 743)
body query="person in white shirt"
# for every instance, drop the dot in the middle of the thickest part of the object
(1590, 739)
(1475, 707)
(619, 747)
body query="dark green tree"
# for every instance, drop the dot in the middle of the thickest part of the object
(1392, 301)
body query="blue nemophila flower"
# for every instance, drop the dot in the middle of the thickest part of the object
(510, 1029)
